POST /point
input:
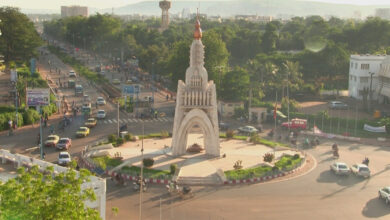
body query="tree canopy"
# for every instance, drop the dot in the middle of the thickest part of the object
(36, 195)
(18, 39)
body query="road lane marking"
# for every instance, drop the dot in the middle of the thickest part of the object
(105, 122)
(114, 120)
(109, 121)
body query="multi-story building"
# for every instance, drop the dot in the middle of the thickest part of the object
(68, 11)
(383, 13)
(383, 88)
(367, 71)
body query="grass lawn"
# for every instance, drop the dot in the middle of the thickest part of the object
(148, 173)
(285, 163)
(106, 161)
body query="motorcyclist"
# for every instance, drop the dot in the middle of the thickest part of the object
(366, 161)
(335, 147)
(317, 141)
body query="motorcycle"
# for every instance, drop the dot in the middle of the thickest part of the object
(336, 154)
(335, 147)
(137, 186)
(366, 161)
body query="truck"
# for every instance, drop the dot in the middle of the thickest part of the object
(296, 123)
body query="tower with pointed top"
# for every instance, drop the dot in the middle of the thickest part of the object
(165, 6)
(196, 103)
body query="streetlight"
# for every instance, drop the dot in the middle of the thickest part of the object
(370, 94)
(142, 170)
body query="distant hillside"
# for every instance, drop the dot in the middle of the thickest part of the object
(249, 7)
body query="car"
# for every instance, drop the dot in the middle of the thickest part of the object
(384, 193)
(64, 158)
(247, 129)
(223, 126)
(129, 81)
(360, 170)
(340, 168)
(64, 144)
(82, 132)
(337, 105)
(101, 114)
(52, 140)
(116, 81)
(91, 122)
(72, 73)
(100, 101)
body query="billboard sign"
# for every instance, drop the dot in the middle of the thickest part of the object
(32, 66)
(14, 75)
(38, 97)
(131, 89)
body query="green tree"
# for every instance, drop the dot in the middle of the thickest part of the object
(269, 38)
(235, 85)
(36, 195)
(19, 38)
(216, 55)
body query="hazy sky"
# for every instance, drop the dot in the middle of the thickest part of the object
(55, 4)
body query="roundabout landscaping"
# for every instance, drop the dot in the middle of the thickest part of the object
(241, 161)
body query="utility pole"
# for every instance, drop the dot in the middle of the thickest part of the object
(288, 105)
(118, 116)
(370, 94)
(142, 171)
(152, 86)
(40, 132)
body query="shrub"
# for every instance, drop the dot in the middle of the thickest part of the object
(289, 162)
(268, 157)
(128, 137)
(30, 116)
(112, 138)
(237, 165)
(229, 134)
(148, 162)
(195, 148)
(164, 134)
(255, 138)
(296, 156)
(173, 168)
(119, 141)
(275, 168)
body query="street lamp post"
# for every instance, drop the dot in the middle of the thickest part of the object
(142, 171)
(370, 94)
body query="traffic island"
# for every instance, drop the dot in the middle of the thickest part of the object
(257, 162)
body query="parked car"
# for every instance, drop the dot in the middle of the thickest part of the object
(64, 158)
(337, 105)
(101, 114)
(247, 129)
(116, 81)
(52, 140)
(100, 101)
(91, 122)
(384, 193)
(223, 126)
(360, 170)
(340, 168)
(82, 132)
(148, 98)
(72, 73)
(64, 144)
(296, 123)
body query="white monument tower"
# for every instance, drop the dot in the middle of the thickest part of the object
(196, 103)
(165, 6)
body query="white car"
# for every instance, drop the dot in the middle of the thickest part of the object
(101, 114)
(360, 170)
(384, 193)
(340, 168)
(64, 158)
(72, 73)
(247, 129)
(338, 105)
(100, 101)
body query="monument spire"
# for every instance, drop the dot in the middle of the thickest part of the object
(198, 30)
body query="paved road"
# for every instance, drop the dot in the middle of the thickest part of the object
(317, 195)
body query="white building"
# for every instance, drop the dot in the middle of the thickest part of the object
(383, 13)
(360, 70)
(75, 10)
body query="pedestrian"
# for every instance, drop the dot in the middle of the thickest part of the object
(167, 97)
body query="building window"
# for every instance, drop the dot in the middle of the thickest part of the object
(351, 64)
(364, 66)
(364, 79)
(356, 65)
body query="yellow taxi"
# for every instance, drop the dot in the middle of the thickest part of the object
(82, 132)
(90, 123)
